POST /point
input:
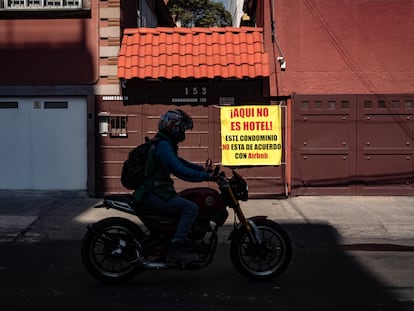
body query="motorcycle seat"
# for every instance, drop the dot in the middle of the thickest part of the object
(148, 218)
(125, 198)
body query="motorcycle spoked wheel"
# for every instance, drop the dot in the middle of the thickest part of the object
(109, 253)
(265, 261)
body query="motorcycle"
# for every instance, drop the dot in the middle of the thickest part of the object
(116, 249)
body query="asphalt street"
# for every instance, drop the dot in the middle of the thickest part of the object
(50, 276)
(348, 253)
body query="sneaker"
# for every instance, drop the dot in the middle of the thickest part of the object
(177, 254)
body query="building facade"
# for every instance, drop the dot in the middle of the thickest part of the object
(58, 58)
(50, 68)
(73, 102)
(198, 70)
(348, 68)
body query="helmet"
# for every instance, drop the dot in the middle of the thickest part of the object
(175, 123)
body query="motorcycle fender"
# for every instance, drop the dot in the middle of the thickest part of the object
(254, 219)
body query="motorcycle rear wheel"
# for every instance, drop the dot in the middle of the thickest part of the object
(265, 261)
(109, 252)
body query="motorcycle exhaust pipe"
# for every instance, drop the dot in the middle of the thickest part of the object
(151, 265)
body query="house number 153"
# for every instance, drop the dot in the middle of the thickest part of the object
(195, 91)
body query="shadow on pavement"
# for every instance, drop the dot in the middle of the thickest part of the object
(322, 276)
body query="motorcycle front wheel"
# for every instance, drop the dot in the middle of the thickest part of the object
(109, 249)
(263, 261)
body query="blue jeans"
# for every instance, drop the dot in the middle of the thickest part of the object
(184, 209)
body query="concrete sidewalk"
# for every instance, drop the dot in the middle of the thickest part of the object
(42, 216)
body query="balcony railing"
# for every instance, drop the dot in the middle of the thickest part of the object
(40, 4)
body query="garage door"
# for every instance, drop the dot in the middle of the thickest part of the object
(43, 144)
(355, 144)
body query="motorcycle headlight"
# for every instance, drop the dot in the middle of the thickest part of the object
(239, 188)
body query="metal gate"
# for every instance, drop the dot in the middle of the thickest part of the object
(353, 144)
(201, 143)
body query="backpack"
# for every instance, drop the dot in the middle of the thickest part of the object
(135, 170)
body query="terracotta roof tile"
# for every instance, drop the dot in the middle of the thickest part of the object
(193, 53)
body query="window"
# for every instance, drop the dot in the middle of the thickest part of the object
(40, 4)
(304, 105)
(318, 104)
(118, 126)
(9, 105)
(395, 104)
(368, 104)
(345, 104)
(56, 105)
(382, 104)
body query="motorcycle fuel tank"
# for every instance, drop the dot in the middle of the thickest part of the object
(209, 200)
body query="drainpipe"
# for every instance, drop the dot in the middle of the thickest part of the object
(277, 50)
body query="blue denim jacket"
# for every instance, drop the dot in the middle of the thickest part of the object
(167, 162)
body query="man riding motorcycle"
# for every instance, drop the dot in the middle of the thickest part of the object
(158, 196)
(116, 249)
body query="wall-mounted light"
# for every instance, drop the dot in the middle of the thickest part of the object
(103, 118)
(282, 63)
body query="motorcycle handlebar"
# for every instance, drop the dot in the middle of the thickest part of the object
(219, 176)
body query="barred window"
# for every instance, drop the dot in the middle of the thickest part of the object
(118, 126)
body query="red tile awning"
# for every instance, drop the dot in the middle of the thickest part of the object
(168, 53)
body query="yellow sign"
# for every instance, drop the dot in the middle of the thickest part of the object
(251, 135)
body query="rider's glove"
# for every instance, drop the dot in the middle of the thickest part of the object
(212, 177)
(208, 168)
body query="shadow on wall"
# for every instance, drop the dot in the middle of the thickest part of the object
(52, 53)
